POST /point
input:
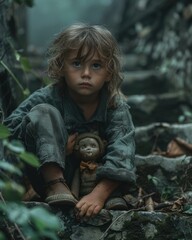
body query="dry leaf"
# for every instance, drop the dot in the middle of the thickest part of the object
(178, 147)
(149, 204)
(178, 204)
(30, 195)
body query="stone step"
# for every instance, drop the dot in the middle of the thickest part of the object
(167, 107)
(133, 61)
(145, 82)
(157, 135)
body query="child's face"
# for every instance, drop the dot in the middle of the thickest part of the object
(88, 148)
(85, 78)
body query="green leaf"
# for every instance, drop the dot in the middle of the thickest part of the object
(16, 213)
(10, 168)
(188, 209)
(25, 64)
(17, 56)
(30, 158)
(2, 236)
(153, 179)
(181, 118)
(47, 80)
(44, 220)
(11, 191)
(26, 92)
(19, 214)
(4, 132)
(188, 114)
(15, 146)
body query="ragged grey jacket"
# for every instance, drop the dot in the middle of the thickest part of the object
(114, 124)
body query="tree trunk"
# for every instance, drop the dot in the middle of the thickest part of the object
(10, 92)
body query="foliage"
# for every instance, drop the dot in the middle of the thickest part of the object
(153, 179)
(24, 91)
(167, 192)
(34, 223)
(18, 221)
(186, 117)
(4, 132)
(188, 209)
(28, 223)
(26, 67)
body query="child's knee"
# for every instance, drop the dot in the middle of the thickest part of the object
(44, 108)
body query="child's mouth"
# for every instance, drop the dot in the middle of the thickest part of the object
(85, 84)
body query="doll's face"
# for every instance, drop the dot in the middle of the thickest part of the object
(89, 148)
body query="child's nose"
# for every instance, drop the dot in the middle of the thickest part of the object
(86, 71)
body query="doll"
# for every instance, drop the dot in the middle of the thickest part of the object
(89, 148)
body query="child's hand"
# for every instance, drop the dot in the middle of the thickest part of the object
(70, 143)
(89, 206)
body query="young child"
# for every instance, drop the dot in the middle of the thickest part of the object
(86, 97)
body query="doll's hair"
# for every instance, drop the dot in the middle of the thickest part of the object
(102, 143)
(89, 40)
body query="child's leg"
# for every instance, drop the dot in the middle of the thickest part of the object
(46, 136)
(57, 191)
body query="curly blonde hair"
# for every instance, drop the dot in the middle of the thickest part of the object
(94, 39)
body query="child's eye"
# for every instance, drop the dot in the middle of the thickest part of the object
(96, 66)
(76, 63)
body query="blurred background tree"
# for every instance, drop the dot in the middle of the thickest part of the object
(155, 38)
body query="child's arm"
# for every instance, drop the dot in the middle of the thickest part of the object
(91, 204)
(71, 143)
(118, 161)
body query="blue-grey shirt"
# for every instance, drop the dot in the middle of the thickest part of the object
(114, 124)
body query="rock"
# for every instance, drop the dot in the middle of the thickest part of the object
(133, 61)
(167, 164)
(145, 82)
(157, 135)
(133, 225)
(83, 233)
(146, 109)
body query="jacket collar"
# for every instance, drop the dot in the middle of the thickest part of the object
(73, 113)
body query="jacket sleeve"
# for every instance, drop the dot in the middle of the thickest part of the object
(15, 121)
(120, 151)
